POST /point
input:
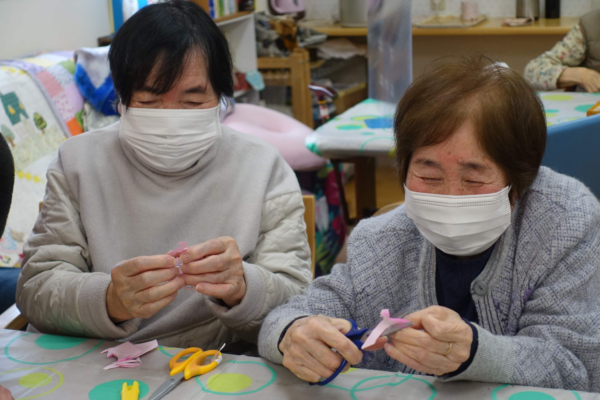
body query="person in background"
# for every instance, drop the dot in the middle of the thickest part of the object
(118, 199)
(8, 276)
(494, 258)
(574, 61)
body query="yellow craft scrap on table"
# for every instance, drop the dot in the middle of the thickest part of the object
(130, 392)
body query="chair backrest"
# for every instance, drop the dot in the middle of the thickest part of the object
(12, 319)
(309, 220)
(573, 149)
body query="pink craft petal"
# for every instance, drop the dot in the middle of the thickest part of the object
(386, 322)
(146, 347)
(128, 354)
(182, 247)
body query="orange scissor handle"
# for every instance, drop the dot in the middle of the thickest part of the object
(195, 367)
(178, 366)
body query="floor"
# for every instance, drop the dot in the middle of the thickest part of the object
(387, 186)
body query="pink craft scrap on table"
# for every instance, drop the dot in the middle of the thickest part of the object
(388, 325)
(128, 354)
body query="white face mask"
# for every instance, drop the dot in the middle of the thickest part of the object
(170, 140)
(460, 225)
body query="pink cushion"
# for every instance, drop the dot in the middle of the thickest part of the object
(281, 131)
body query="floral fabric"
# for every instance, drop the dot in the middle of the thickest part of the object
(330, 224)
(543, 72)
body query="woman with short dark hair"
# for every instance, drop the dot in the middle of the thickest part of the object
(120, 198)
(494, 258)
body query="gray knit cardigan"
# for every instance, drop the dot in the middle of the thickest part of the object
(538, 298)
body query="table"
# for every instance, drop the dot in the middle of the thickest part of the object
(365, 131)
(492, 26)
(57, 367)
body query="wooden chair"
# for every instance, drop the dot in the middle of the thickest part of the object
(309, 220)
(12, 318)
(293, 71)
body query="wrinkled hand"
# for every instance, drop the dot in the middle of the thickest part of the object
(423, 347)
(307, 345)
(590, 80)
(215, 268)
(5, 394)
(133, 293)
(584, 77)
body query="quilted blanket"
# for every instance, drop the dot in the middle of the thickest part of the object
(40, 106)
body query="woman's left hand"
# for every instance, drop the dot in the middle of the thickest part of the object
(215, 268)
(438, 342)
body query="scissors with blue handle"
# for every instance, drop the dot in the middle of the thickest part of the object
(358, 336)
(187, 368)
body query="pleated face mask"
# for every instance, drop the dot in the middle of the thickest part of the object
(460, 225)
(170, 140)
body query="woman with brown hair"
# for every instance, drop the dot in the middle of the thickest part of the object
(492, 257)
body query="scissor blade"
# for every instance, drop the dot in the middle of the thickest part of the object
(396, 328)
(167, 386)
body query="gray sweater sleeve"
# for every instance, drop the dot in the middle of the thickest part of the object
(278, 269)
(332, 295)
(558, 335)
(57, 292)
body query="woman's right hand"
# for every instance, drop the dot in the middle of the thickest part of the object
(133, 293)
(307, 345)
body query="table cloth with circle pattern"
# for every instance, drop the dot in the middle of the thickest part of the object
(36, 366)
(366, 129)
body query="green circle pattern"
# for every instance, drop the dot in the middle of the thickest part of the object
(584, 107)
(356, 388)
(273, 376)
(529, 395)
(112, 390)
(350, 127)
(53, 342)
(7, 353)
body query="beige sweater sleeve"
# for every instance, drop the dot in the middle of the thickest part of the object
(278, 269)
(56, 291)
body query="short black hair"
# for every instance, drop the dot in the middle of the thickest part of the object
(163, 36)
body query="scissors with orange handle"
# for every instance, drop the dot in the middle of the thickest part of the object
(188, 368)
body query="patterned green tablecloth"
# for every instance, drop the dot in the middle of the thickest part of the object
(366, 129)
(56, 367)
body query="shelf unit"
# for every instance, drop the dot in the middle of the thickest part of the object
(239, 30)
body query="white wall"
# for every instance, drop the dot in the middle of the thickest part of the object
(31, 25)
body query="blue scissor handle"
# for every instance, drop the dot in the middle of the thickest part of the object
(355, 335)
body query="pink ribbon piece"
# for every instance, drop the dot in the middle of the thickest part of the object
(386, 323)
(128, 354)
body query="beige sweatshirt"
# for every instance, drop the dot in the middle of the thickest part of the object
(103, 206)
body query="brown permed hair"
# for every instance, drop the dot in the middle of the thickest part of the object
(505, 110)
